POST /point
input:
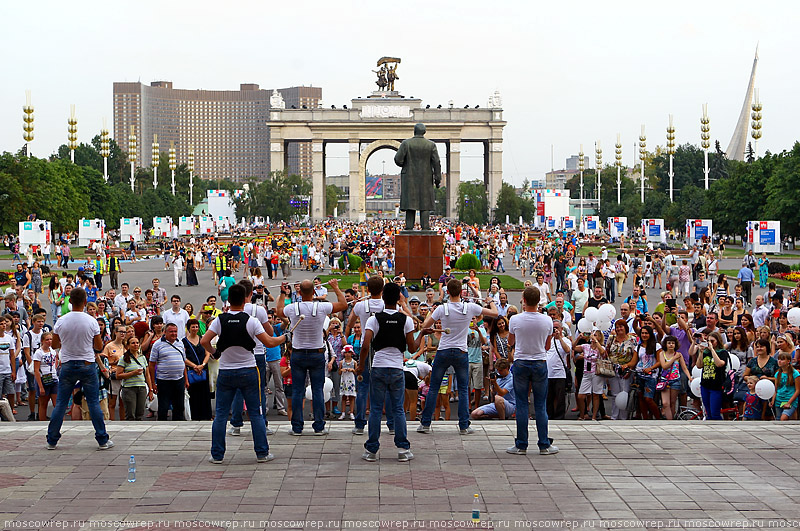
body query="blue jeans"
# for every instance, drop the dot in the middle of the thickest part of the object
(237, 406)
(712, 403)
(527, 374)
(362, 393)
(309, 362)
(391, 383)
(499, 267)
(229, 382)
(71, 373)
(456, 358)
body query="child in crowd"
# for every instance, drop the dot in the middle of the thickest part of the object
(348, 383)
(787, 384)
(754, 407)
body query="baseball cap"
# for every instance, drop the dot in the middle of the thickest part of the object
(414, 299)
(447, 268)
(348, 348)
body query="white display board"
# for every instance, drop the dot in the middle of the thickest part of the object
(206, 225)
(186, 226)
(550, 203)
(162, 226)
(617, 226)
(91, 230)
(34, 233)
(222, 223)
(696, 230)
(590, 225)
(568, 223)
(764, 236)
(653, 230)
(130, 227)
(220, 204)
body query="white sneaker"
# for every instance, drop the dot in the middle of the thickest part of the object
(236, 431)
(516, 451)
(265, 458)
(423, 428)
(270, 431)
(550, 450)
(51, 446)
(295, 433)
(467, 431)
(352, 417)
(404, 455)
(214, 461)
(358, 431)
(107, 445)
(323, 431)
(369, 456)
(341, 417)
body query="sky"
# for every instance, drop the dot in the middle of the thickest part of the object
(569, 72)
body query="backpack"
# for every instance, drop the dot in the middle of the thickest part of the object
(729, 380)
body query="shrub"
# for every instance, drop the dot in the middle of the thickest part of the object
(353, 260)
(776, 268)
(468, 261)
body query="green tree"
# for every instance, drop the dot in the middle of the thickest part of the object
(441, 201)
(332, 195)
(783, 192)
(508, 204)
(274, 197)
(473, 202)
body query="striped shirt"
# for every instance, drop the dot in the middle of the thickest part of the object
(170, 359)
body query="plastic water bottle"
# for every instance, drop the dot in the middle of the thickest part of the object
(132, 470)
(476, 509)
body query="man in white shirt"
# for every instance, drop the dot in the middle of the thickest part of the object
(531, 335)
(320, 291)
(176, 315)
(456, 315)
(760, 312)
(77, 334)
(544, 290)
(121, 300)
(558, 362)
(389, 333)
(177, 267)
(238, 333)
(308, 348)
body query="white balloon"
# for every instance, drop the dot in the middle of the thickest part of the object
(622, 400)
(591, 314)
(765, 389)
(695, 387)
(327, 397)
(584, 325)
(736, 362)
(328, 387)
(697, 372)
(308, 393)
(608, 312)
(794, 316)
(603, 324)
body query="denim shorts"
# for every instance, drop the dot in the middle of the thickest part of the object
(789, 411)
(49, 389)
(647, 385)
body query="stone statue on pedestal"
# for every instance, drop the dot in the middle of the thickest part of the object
(421, 171)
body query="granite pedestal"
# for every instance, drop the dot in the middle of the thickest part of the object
(417, 253)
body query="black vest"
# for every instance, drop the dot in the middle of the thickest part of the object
(390, 331)
(234, 332)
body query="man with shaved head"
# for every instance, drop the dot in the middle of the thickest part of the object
(308, 348)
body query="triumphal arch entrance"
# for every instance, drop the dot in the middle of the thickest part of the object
(383, 120)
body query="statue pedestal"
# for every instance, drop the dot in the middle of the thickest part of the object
(418, 252)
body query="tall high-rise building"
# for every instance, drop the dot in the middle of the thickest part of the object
(228, 129)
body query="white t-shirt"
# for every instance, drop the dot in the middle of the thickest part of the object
(530, 331)
(7, 344)
(121, 302)
(556, 368)
(47, 361)
(238, 357)
(544, 290)
(76, 331)
(579, 299)
(420, 369)
(260, 313)
(389, 357)
(308, 334)
(363, 310)
(457, 322)
(180, 319)
(31, 340)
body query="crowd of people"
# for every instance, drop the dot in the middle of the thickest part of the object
(465, 345)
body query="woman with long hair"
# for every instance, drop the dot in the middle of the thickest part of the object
(498, 336)
(712, 360)
(621, 350)
(54, 295)
(648, 364)
(197, 366)
(135, 380)
(45, 369)
(672, 363)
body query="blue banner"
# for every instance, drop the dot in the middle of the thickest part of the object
(568, 223)
(620, 226)
(701, 232)
(766, 237)
(655, 230)
(591, 224)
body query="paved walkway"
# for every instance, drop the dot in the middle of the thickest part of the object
(636, 475)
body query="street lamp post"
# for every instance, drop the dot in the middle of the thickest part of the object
(27, 122)
(105, 149)
(172, 164)
(642, 155)
(132, 155)
(156, 161)
(618, 164)
(581, 167)
(671, 152)
(190, 165)
(756, 132)
(598, 159)
(705, 139)
(72, 133)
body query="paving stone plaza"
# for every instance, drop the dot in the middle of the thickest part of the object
(629, 475)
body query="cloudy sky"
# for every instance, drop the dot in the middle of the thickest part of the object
(569, 72)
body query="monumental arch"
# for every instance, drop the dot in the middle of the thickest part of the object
(383, 120)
